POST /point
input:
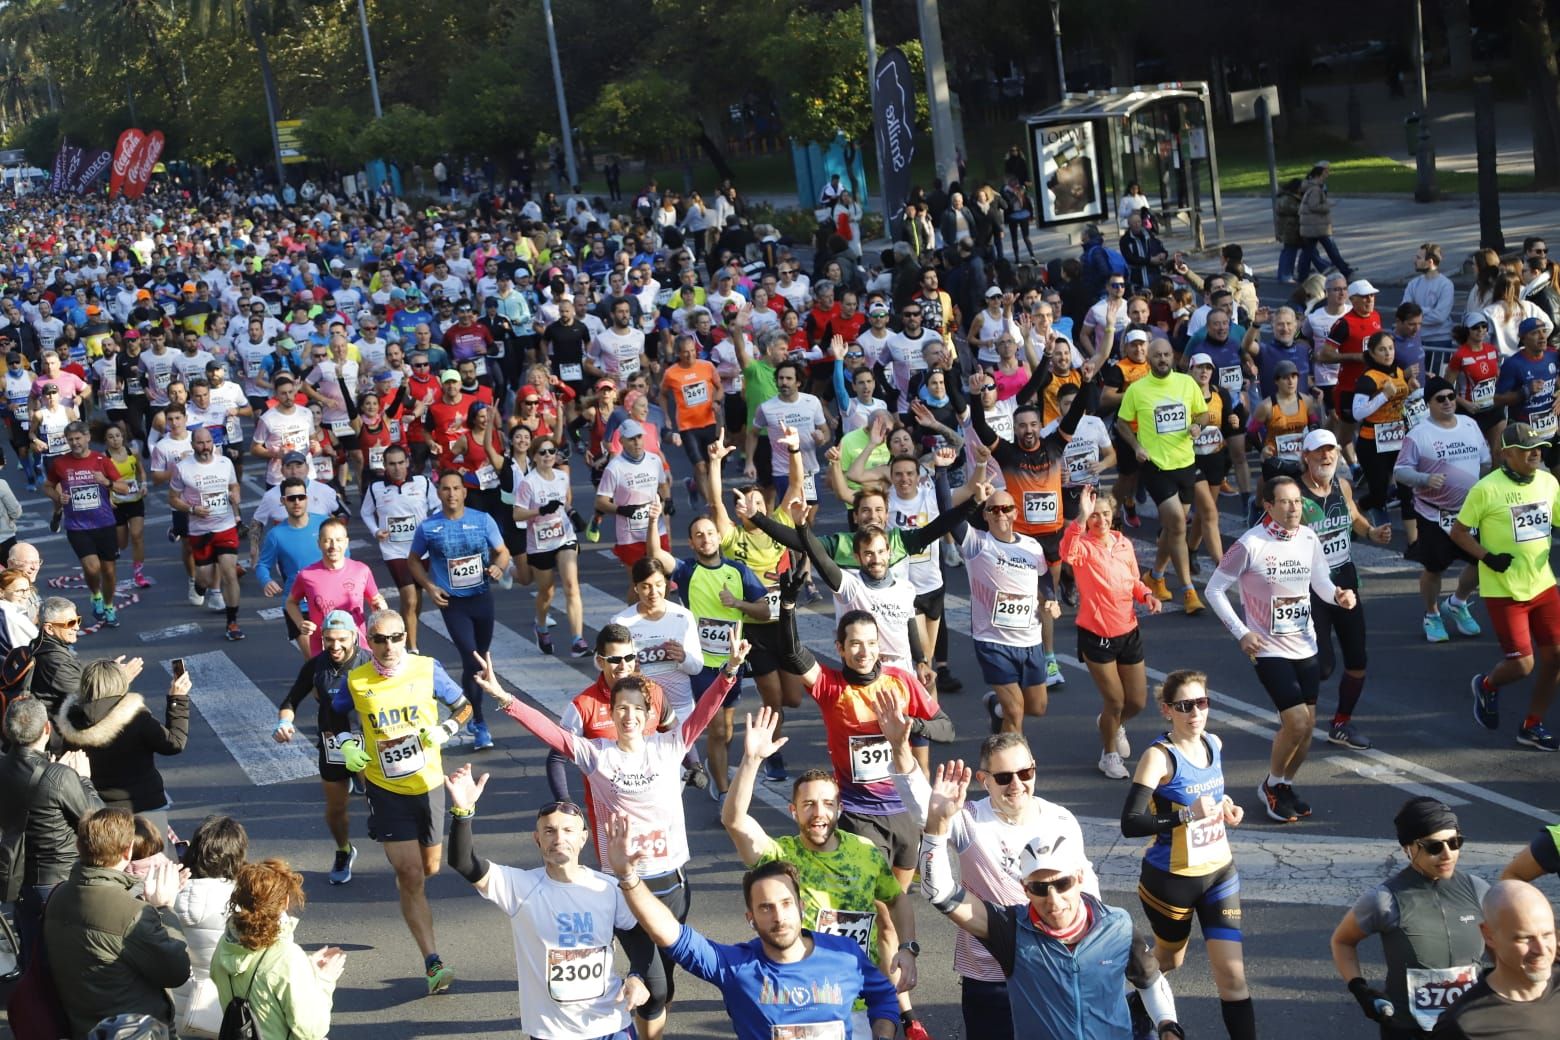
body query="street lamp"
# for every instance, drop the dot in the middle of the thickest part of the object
(563, 105)
(1424, 155)
(1056, 32)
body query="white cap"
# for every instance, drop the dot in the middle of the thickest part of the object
(1361, 287)
(1473, 318)
(1063, 855)
(995, 290)
(1201, 359)
(1135, 335)
(1318, 439)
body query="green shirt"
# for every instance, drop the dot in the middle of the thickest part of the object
(842, 548)
(853, 444)
(839, 887)
(1513, 518)
(1162, 411)
(758, 386)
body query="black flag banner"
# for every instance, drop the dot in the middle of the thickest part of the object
(894, 121)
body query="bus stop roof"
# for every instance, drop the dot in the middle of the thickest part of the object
(1108, 104)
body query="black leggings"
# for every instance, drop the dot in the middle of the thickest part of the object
(1379, 485)
(1348, 625)
(673, 890)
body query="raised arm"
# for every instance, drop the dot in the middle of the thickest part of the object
(758, 743)
(951, 900)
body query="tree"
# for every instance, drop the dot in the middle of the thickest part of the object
(1537, 48)
(641, 114)
(403, 135)
(330, 134)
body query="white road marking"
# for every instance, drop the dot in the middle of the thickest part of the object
(272, 613)
(171, 632)
(243, 718)
(542, 677)
(1388, 776)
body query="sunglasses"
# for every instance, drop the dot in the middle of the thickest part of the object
(1190, 705)
(1118, 285)
(1044, 888)
(1006, 776)
(910, 314)
(295, 498)
(382, 638)
(74, 622)
(546, 451)
(618, 658)
(1435, 846)
(419, 364)
(1001, 510)
(1443, 398)
(564, 807)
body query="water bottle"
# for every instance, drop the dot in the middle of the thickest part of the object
(1384, 1008)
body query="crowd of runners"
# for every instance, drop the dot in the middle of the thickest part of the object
(478, 397)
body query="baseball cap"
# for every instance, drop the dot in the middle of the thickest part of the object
(1473, 318)
(1521, 435)
(294, 456)
(188, 287)
(383, 375)
(93, 308)
(630, 429)
(1201, 359)
(340, 621)
(878, 310)
(1361, 287)
(994, 290)
(1318, 439)
(1137, 335)
(1528, 325)
(449, 374)
(143, 294)
(1286, 368)
(1063, 855)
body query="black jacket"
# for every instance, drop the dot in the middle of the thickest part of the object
(56, 672)
(51, 810)
(120, 738)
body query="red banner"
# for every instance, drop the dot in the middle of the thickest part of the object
(140, 172)
(124, 152)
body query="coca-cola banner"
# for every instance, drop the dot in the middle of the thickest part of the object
(124, 152)
(92, 167)
(140, 172)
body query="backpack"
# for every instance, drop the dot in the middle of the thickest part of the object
(35, 1011)
(238, 1018)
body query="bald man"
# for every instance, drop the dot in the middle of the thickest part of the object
(1519, 999)
(24, 557)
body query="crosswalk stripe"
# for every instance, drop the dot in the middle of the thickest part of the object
(242, 718)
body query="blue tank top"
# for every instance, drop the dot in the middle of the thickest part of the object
(1199, 847)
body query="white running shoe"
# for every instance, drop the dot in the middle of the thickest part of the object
(195, 598)
(1110, 765)
(214, 601)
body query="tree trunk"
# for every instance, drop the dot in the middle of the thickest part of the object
(712, 151)
(1459, 39)
(1543, 75)
(268, 81)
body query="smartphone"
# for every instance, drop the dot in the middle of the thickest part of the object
(178, 667)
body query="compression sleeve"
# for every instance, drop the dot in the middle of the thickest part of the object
(828, 570)
(1136, 819)
(937, 883)
(301, 685)
(938, 729)
(794, 657)
(462, 854)
(639, 948)
(782, 533)
(558, 775)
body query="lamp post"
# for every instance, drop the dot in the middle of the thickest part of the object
(563, 105)
(1056, 33)
(1424, 156)
(368, 51)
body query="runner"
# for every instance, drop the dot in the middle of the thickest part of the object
(333, 584)
(393, 508)
(1378, 400)
(166, 454)
(322, 675)
(1212, 453)
(130, 507)
(1178, 799)
(1275, 563)
(690, 387)
(1512, 509)
(48, 421)
(395, 700)
(465, 552)
(632, 480)
(289, 547)
(1526, 387)
(284, 428)
(791, 409)
(1441, 460)
(205, 486)
(666, 637)
(80, 482)
(543, 503)
(1286, 416)
(1344, 346)
(1475, 369)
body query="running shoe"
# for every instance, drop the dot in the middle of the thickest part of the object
(946, 681)
(1191, 602)
(593, 530)
(580, 648)
(1486, 704)
(110, 617)
(1435, 629)
(1123, 747)
(1110, 765)
(341, 869)
(99, 609)
(544, 640)
(481, 739)
(1129, 517)
(993, 710)
(1536, 736)
(1302, 808)
(1461, 617)
(1053, 672)
(1344, 733)
(141, 580)
(696, 776)
(195, 596)
(214, 601)
(1276, 800)
(774, 770)
(234, 633)
(439, 978)
(1157, 586)
(692, 487)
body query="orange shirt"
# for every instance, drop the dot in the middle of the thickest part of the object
(693, 391)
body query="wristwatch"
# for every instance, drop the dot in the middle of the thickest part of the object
(912, 946)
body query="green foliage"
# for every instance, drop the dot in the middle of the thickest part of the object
(330, 133)
(403, 135)
(641, 114)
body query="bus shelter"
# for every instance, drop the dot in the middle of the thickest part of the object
(1089, 148)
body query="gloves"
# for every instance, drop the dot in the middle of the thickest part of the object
(353, 756)
(1372, 1001)
(793, 580)
(436, 736)
(1497, 562)
(551, 507)
(578, 521)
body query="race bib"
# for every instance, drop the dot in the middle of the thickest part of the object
(1530, 521)
(772, 597)
(629, 366)
(575, 975)
(465, 571)
(550, 530)
(870, 758)
(215, 501)
(1482, 394)
(85, 497)
(481, 365)
(1078, 463)
(487, 477)
(55, 439)
(1445, 518)
(695, 394)
(324, 467)
(652, 844)
(1415, 409)
(1291, 615)
(401, 528)
(808, 1031)
(232, 429)
(716, 636)
(1041, 507)
(333, 752)
(1287, 445)
(401, 757)
(395, 430)
(1205, 841)
(1014, 611)
(1543, 424)
(1231, 378)
(1209, 439)
(1389, 435)
(1170, 417)
(132, 489)
(571, 373)
(639, 519)
(1001, 424)
(114, 400)
(1433, 990)
(855, 925)
(341, 427)
(376, 458)
(1335, 547)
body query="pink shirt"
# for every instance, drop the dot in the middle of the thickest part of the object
(71, 385)
(350, 589)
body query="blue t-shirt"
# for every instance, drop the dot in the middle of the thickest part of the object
(291, 549)
(1517, 373)
(458, 550)
(760, 993)
(1407, 352)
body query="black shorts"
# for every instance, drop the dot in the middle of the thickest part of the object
(1346, 406)
(764, 655)
(896, 837)
(762, 460)
(1213, 467)
(546, 561)
(400, 573)
(696, 443)
(1488, 419)
(406, 817)
(21, 439)
(179, 524)
(293, 632)
(330, 772)
(1348, 625)
(1290, 683)
(102, 542)
(124, 512)
(930, 604)
(1164, 484)
(346, 443)
(1126, 459)
(1437, 551)
(1127, 649)
(1052, 544)
(1170, 901)
(734, 411)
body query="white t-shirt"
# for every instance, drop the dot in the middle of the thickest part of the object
(1088, 444)
(893, 605)
(323, 501)
(549, 531)
(191, 367)
(805, 414)
(619, 354)
(675, 625)
(387, 507)
(168, 452)
(1004, 587)
(206, 484)
(563, 950)
(282, 433)
(629, 483)
(907, 515)
(647, 786)
(908, 357)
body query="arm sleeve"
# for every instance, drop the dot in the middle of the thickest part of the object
(545, 729)
(558, 775)
(705, 708)
(983, 431)
(1321, 574)
(1138, 821)
(938, 729)
(840, 395)
(462, 853)
(828, 570)
(1217, 589)
(445, 688)
(301, 685)
(784, 534)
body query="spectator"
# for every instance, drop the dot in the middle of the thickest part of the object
(289, 992)
(988, 211)
(56, 668)
(1015, 200)
(1435, 295)
(958, 222)
(1096, 265)
(1316, 225)
(20, 628)
(1145, 254)
(1016, 166)
(216, 854)
(47, 799)
(1286, 228)
(1133, 203)
(113, 950)
(120, 736)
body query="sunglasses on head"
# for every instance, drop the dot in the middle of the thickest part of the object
(1190, 705)
(1006, 776)
(564, 807)
(382, 638)
(1044, 888)
(617, 658)
(1435, 846)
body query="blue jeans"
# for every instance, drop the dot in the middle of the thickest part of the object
(1309, 259)
(29, 919)
(1286, 262)
(470, 623)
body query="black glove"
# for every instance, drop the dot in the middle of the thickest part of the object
(577, 520)
(1368, 998)
(793, 579)
(1497, 562)
(551, 507)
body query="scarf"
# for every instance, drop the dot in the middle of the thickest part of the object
(936, 402)
(1276, 530)
(387, 672)
(1071, 934)
(856, 678)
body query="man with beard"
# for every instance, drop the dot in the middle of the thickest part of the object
(205, 486)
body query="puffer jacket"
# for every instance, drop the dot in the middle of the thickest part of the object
(58, 802)
(56, 672)
(110, 953)
(1315, 210)
(121, 739)
(201, 908)
(289, 999)
(1286, 218)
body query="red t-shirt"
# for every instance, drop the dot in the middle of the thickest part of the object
(857, 748)
(1478, 370)
(1348, 336)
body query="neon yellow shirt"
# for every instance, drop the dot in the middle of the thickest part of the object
(1163, 410)
(1513, 518)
